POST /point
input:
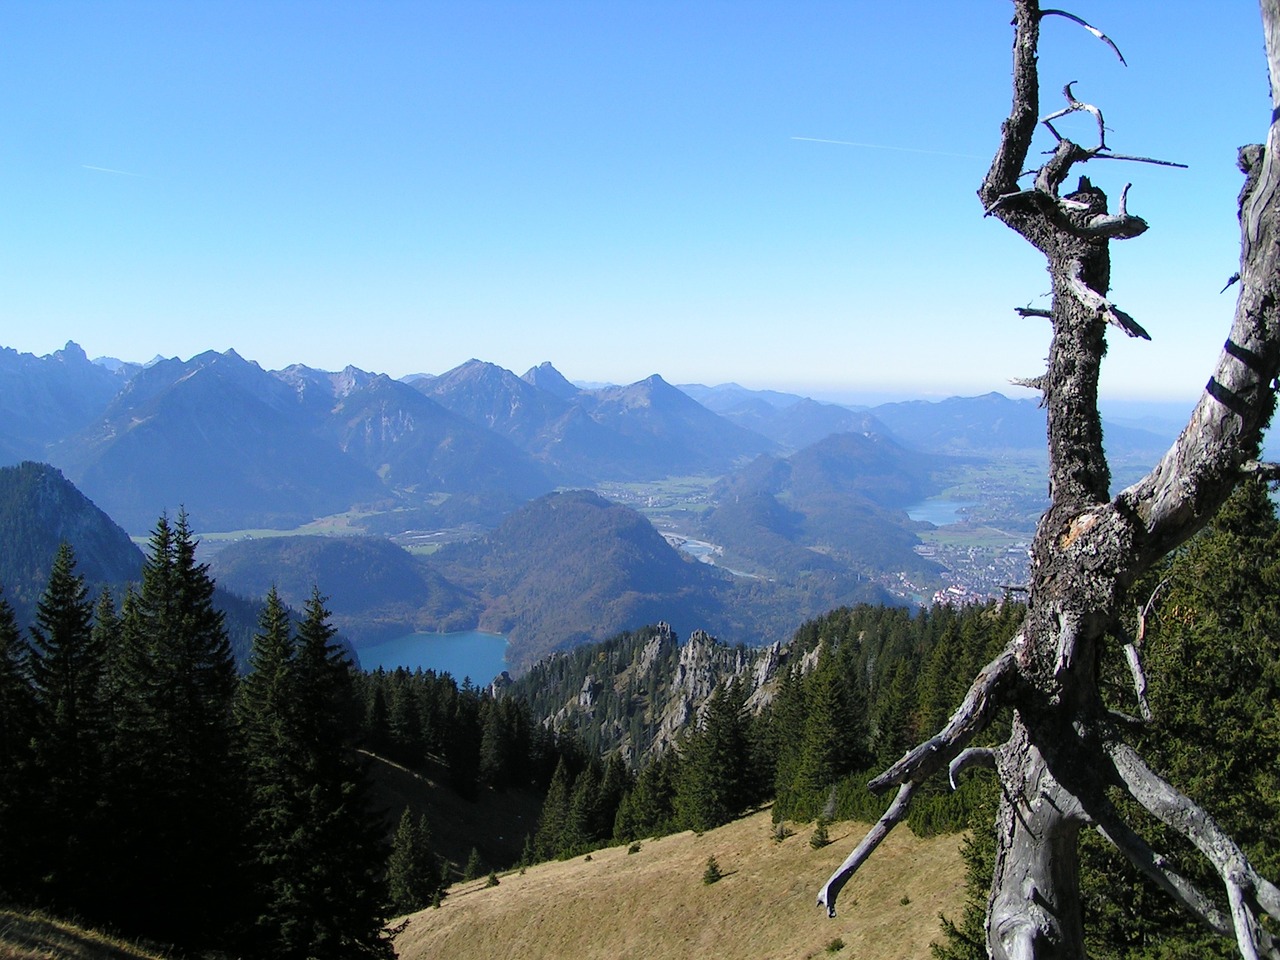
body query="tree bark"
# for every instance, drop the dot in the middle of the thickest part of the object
(1066, 750)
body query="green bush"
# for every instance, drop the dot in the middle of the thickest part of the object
(820, 838)
(712, 873)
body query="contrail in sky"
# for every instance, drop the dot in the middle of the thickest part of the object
(122, 173)
(885, 146)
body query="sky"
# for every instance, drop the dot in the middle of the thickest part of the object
(779, 194)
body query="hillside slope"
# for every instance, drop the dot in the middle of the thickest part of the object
(653, 905)
(32, 935)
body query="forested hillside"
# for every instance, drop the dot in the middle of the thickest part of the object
(40, 509)
(379, 590)
(646, 733)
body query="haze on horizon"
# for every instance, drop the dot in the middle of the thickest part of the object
(773, 194)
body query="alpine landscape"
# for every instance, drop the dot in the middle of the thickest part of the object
(301, 660)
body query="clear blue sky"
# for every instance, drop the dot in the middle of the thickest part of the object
(612, 185)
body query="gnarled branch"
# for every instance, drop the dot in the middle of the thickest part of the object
(1133, 651)
(1074, 105)
(896, 812)
(1104, 307)
(971, 757)
(970, 719)
(1092, 29)
(1244, 885)
(1139, 853)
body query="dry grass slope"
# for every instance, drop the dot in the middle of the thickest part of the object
(26, 935)
(653, 905)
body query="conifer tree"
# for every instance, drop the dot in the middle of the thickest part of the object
(578, 832)
(1212, 660)
(834, 732)
(549, 840)
(474, 866)
(785, 736)
(318, 854)
(18, 793)
(648, 809)
(179, 808)
(68, 674)
(462, 747)
(614, 785)
(712, 788)
(413, 879)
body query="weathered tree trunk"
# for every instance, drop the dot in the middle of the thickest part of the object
(1066, 750)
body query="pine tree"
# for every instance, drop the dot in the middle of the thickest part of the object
(648, 809)
(712, 872)
(177, 794)
(1212, 661)
(68, 674)
(18, 792)
(715, 761)
(549, 840)
(474, 866)
(413, 879)
(318, 855)
(834, 734)
(615, 783)
(578, 833)
(785, 738)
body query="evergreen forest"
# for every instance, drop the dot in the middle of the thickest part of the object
(148, 785)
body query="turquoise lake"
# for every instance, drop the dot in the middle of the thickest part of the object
(469, 653)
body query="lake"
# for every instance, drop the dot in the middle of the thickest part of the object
(468, 653)
(938, 512)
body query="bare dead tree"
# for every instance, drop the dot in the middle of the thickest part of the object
(1066, 750)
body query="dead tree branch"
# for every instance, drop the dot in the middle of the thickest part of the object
(1269, 472)
(891, 818)
(1092, 29)
(971, 757)
(1123, 838)
(1133, 652)
(967, 722)
(1074, 105)
(1090, 547)
(1246, 889)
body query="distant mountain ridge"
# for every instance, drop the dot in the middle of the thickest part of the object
(804, 502)
(644, 430)
(243, 447)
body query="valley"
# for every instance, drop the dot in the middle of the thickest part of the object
(430, 504)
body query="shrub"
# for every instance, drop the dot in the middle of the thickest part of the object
(492, 881)
(712, 873)
(820, 838)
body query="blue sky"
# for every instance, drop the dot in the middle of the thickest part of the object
(616, 187)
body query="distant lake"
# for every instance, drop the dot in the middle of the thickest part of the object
(939, 512)
(468, 653)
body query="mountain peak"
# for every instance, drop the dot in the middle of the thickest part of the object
(546, 377)
(72, 352)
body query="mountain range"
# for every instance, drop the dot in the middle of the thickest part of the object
(801, 504)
